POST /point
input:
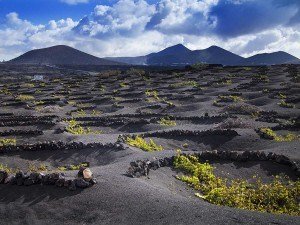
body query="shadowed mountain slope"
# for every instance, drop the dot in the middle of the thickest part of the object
(271, 59)
(180, 55)
(60, 55)
(177, 55)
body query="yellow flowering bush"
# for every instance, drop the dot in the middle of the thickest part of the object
(279, 196)
(141, 143)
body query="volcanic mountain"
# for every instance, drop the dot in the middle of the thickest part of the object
(177, 55)
(60, 55)
(272, 59)
(180, 55)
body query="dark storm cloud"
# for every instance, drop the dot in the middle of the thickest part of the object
(260, 43)
(239, 17)
(223, 18)
(295, 19)
(296, 3)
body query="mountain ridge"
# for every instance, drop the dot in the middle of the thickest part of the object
(271, 58)
(180, 55)
(176, 55)
(60, 55)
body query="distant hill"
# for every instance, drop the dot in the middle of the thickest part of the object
(180, 55)
(177, 55)
(271, 59)
(216, 55)
(60, 55)
(139, 60)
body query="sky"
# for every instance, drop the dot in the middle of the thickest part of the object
(138, 27)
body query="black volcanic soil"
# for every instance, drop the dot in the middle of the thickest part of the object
(123, 103)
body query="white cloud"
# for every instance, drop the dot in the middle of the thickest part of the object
(125, 18)
(183, 16)
(133, 28)
(279, 39)
(74, 2)
(20, 35)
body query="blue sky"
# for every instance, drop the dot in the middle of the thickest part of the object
(41, 11)
(138, 27)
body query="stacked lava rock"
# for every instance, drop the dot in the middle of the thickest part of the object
(84, 179)
(142, 167)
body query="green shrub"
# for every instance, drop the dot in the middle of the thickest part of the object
(281, 96)
(24, 97)
(284, 104)
(153, 94)
(5, 91)
(261, 78)
(115, 92)
(7, 142)
(198, 66)
(296, 79)
(167, 121)
(109, 73)
(222, 82)
(75, 128)
(40, 102)
(28, 85)
(123, 84)
(80, 113)
(7, 169)
(169, 103)
(141, 143)
(135, 71)
(72, 103)
(217, 104)
(37, 168)
(96, 112)
(268, 133)
(230, 98)
(31, 168)
(242, 108)
(247, 68)
(227, 82)
(72, 167)
(185, 145)
(185, 83)
(281, 195)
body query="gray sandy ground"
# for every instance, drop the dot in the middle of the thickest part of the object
(159, 198)
(117, 199)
